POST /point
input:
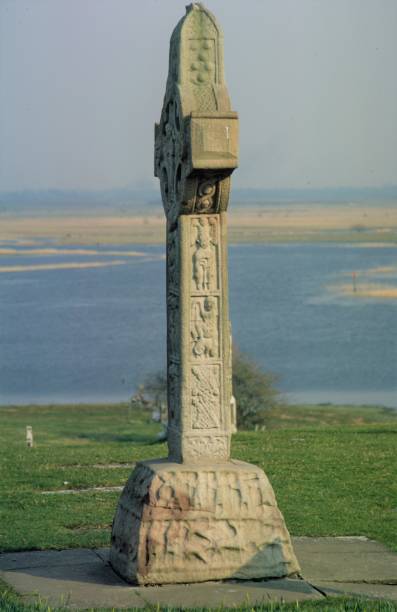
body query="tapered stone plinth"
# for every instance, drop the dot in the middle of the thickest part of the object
(187, 523)
(198, 515)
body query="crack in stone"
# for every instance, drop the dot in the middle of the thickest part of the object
(391, 582)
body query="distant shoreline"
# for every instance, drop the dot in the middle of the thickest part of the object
(386, 400)
(295, 223)
(124, 404)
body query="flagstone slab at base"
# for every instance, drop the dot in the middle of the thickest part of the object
(189, 523)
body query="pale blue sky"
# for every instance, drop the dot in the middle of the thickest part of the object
(82, 81)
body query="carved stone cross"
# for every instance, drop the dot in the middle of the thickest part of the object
(196, 146)
(198, 515)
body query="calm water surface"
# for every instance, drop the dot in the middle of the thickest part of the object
(92, 334)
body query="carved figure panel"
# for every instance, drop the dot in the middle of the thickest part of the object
(206, 396)
(206, 192)
(204, 243)
(204, 328)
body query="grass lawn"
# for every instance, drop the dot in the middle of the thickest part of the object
(11, 602)
(333, 470)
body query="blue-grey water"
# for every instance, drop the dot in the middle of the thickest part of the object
(92, 334)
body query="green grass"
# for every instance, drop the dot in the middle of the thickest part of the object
(333, 470)
(11, 602)
(69, 441)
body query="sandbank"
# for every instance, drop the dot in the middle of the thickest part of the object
(61, 266)
(337, 223)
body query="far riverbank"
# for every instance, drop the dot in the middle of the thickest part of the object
(286, 223)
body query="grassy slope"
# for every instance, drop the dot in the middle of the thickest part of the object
(333, 470)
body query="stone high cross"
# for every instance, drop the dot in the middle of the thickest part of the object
(198, 515)
(196, 147)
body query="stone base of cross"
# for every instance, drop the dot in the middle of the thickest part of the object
(198, 515)
(177, 522)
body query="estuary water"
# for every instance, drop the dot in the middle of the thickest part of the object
(88, 323)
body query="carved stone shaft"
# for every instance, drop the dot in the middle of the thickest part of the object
(199, 368)
(195, 152)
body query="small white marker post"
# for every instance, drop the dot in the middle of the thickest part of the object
(29, 436)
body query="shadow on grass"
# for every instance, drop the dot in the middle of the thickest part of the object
(110, 437)
(376, 431)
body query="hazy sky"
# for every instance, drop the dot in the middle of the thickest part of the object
(82, 82)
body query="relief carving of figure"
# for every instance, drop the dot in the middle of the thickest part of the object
(204, 263)
(205, 196)
(204, 330)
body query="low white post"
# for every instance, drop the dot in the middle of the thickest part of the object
(29, 436)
